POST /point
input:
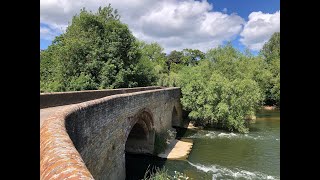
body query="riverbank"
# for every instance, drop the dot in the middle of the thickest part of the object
(191, 126)
(269, 108)
(177, 149)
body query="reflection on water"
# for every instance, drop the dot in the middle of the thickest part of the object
(218, 154)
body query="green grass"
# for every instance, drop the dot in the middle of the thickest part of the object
(162, 174)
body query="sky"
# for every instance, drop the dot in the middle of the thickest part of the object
(176, 24)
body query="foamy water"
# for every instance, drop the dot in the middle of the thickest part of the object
(219, 172)
(213, 135)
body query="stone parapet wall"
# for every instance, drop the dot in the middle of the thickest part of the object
(65, 98)
(87, 140)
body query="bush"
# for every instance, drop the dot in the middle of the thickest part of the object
(162, 174)
(162, 140)
(170, 80)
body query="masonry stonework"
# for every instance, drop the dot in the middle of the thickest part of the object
(94, 134)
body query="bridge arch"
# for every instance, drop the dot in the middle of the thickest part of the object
(87, 136)
(140, 135)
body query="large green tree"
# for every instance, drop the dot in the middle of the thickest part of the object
(271, 54)
(153, 52)
(191, 57)
(271, 49)
(174, 60)
(222, 90)
(96, 51)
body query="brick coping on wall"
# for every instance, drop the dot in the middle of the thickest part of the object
(59, 159)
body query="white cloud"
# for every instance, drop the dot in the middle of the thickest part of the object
(259, 29)
(174, 24)
(225, 10)
(47, 33)
(59, 12)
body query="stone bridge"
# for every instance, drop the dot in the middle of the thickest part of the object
(85, 134)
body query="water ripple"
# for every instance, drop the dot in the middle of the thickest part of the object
(203, 134)
(219, 172)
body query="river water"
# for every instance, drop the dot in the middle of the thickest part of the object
(219, 154)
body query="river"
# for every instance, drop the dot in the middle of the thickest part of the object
(219, 154)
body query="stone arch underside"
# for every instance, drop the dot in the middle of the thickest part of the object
(141, 134)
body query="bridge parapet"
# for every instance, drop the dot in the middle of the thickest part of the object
(88, 140)
(73, 97)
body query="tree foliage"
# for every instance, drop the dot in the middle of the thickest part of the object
(214, 99)
(271, 49)
(228, 86)
(191, 57)
(271, 54)
(223, 87)
(96, 51)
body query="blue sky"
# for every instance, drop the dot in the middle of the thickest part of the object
(177, 24)
(245, 7)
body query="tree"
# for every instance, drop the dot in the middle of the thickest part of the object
(271, 54)
(215, 100)
(191, 57)
(154, 53)
(224, 60)
(271, 49)
(96, 51)
(174, 58)
(50, 71)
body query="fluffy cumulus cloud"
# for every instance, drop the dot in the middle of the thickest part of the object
(56, 14)
(175, 24)
(259, 29)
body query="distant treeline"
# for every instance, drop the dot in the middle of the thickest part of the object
(221, 87)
